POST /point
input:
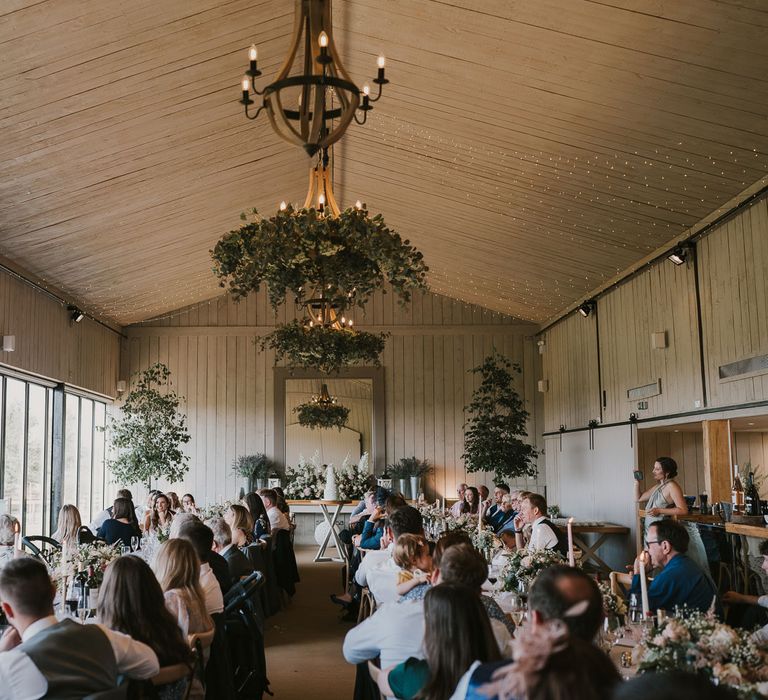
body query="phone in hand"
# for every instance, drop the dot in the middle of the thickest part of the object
(638, 475)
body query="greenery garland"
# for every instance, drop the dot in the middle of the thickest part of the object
(319, 415)
(324, 349)
(347, 257)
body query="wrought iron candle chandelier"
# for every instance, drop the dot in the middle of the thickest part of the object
(312, 108)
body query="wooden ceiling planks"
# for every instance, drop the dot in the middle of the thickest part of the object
(532, 150)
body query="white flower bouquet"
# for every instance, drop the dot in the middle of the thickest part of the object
(86, 562)
(613, 605)
(305, 481)
(353, 480)
(523, 567)
(699, 643)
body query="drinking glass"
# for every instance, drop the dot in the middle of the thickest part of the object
(134, 543)
(82, 614)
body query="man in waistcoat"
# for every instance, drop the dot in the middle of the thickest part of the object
(544, 533)
(42, 657)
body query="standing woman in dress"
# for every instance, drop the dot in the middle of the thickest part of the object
(665, 500)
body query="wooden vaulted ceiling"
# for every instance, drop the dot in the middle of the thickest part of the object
(531, 149)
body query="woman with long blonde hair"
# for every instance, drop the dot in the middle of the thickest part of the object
(178, 570)
(241, 523)
(68, 527)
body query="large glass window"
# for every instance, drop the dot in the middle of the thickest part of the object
(26, 455)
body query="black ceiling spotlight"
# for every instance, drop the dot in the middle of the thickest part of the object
(75, 315)
(587, 307)
(680, 254)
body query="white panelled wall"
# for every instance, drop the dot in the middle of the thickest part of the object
(228, 384)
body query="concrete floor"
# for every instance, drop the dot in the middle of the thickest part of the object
(303, 641)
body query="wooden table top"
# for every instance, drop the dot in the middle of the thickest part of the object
(692, 517)
(604, 528)
(760, 531)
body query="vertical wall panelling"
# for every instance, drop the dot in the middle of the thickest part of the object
(229, 385)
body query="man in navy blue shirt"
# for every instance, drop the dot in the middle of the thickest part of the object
(681, 582)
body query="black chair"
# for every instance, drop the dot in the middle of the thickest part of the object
(85, 535)
(285, 562)
(260, 556)
(41, 547)
(219, 677)
(246, 638)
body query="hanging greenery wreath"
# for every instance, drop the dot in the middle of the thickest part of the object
(318, 415)
(302, 251)
(324, 349)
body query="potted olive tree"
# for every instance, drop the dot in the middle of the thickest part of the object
(148, 435)
(254, 468)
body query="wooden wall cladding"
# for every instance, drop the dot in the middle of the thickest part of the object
(569, 364)
(663, 300)
(734, 296)
(228, 384)
(84, 354)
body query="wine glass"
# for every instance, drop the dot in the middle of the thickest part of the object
(134, 543)
(82, 614)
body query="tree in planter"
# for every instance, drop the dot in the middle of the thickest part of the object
(254, 468)
(149, 434)
(493, 432)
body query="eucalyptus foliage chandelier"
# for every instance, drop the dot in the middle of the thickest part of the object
(331, 262)
(312, 99)
(322, 411)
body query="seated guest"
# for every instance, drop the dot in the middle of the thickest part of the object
(362, 511)
(214, 572)
(544, 533)
(173, 499)
(559, 593)
(160, 516)
(238, 563)
(411, 553)
(68, 527)
(41, 657)
(8, 551)
(503, 516)
(471, 503)
(499, 491)
(261, 527)
(120, 527)
(282, 504)
(177, 568)
(178, 520)
(462, 565)
(680, 583)
(734, 598)
(461, 489)
(107, 513)
(456, 634)
(277, 519)
(485, 501)
(240, 523)
(188, 504)
(374, 529)
(380, 574)
(547, 664)
(132, 602)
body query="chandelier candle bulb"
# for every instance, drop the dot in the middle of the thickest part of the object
(283, 206)
(253, 53)
(571, 558)
(381, 62)
(358, 205)
(323, 40)
(17, 536)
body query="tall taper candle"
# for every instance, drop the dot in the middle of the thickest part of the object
(643, 586)
(571, 557)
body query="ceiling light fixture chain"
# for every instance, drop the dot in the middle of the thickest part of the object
(296, 104)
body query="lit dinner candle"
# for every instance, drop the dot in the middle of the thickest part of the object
(479, 518)
(17, 535)
(571, 558)
(643, 586)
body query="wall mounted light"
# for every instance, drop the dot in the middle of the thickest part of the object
(543, 385)
(121, 386)
(681, 253)
(587, 307)
(9, 343)
(542, 344)
(75, 315)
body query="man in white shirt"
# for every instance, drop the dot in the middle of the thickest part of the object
(277, 519)
(201, 538)
(380, 572)
(461, 489)
(42, 657)
(544, 534)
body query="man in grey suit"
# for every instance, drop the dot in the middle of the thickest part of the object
(239, 566)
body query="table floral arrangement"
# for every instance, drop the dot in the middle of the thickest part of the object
(213, 510)
(614, 605)
(86, 563)
(699, 643)
(523, 567)
(485, 539)
(306, 481)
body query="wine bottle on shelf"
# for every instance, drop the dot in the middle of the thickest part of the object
(751, 496)
(737, 492)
